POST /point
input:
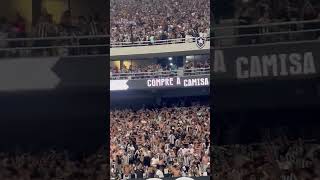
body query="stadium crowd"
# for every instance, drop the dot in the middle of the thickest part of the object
(149, 20)
(45, 27)
(52, 165)
(261, 12)
(266, 11)
(162, 142)
(276, 159)
(155, 70)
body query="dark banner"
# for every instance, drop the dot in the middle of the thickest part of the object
(283, 61)
(87, 72)
(161, 83)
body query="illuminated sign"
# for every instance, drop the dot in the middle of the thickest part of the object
(267, 62)
(157, 83)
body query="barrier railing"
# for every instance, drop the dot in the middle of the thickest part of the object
(266, 24)
(54, 46)
(73, 45)
(160, 74)
(156, 42)
(278, 32)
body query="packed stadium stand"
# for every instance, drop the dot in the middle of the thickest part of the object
(52, 124)
(53, 29)
(160, 56)
(160, 142)
(145, 20)
(52, 165)
(159, 81)
(164, 132)
(160, 68)
(276, 159)
(266, 120)
(267, 11)
(265, 21)
(170, 138)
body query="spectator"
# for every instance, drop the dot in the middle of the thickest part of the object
(309, 13)
(4, 33)
(43, 29)
(52, 165)
(66, 21)
(19, 26)
(156, 70)
(277, 159)
(250, 12)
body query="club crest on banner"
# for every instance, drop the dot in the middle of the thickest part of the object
(201, 42)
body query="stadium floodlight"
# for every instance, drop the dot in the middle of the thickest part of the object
(171, 64)
(170, 58)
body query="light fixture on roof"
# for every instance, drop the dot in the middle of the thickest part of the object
(188, 57)
(170, 58)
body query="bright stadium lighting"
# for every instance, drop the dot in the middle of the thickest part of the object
(171, 64)
(170, 58)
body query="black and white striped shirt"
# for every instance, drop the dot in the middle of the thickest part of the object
(93, 30)
(42, 29)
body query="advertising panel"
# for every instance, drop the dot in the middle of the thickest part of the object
(285, 61)
(160, 83)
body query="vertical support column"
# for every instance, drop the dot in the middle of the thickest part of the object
(121, 63)
(69, 5)
(36, 10)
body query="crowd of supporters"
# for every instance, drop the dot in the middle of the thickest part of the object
(262, 12)
(52, 166)
(45, 27)
(149, 20)
(266, 11)
(275, 159)
(270, 11)
(160, 142)
(155, 70)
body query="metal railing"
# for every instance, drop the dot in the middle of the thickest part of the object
(160, 74)
(156, 42)
(73, 45)
(266, 24)
(278, 32)
(54, 46)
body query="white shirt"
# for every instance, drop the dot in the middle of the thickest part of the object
(184, 151)
(154, 161)
(177, 142)
(191, 150)
(166, 147)
(171, 138)
(159, 174)
(186, 161)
